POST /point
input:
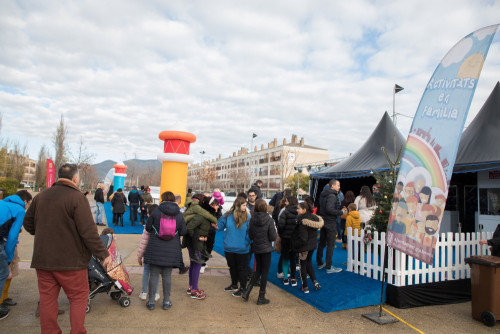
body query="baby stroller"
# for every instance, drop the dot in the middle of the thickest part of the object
(99, 280)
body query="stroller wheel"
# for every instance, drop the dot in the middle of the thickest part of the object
(124, 302)
(115, 295)
(88, 308)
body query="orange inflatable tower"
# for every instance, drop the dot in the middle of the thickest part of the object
(175, 159)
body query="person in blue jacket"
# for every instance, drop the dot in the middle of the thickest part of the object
(12, 210)
(236, 244)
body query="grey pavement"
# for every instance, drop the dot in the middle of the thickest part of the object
(220, 312)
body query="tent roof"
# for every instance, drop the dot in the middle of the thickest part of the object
(370, 156)
(478, 149)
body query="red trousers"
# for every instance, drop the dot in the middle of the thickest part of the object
(75, 285)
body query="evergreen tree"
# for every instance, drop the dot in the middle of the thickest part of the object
(386, 183)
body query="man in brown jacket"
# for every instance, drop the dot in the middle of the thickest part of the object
(65, 237)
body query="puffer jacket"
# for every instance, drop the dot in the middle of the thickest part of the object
(143, 244)
(118, 202)
(159, 252)
(262, 232)
(305, 236)
(329, 206)
(353, 220)
(287, 222)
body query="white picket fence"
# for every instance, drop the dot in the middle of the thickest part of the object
(403, 270)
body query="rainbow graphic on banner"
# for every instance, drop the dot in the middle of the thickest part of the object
(419, 153)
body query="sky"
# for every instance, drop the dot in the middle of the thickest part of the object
(120, 72)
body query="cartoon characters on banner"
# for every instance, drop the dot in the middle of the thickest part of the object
(419, 199)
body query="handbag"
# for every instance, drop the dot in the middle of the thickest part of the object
(277, 244)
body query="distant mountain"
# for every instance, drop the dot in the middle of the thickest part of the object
(103, 168)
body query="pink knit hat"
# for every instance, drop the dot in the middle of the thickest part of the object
(218, 196)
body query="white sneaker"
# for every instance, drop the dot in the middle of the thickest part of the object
(333, 270)
(157, 296)
(321, 266)
(202, 270)
(143, 296)
(279, 275)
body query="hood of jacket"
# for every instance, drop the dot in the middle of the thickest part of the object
(133, 191)
(354, 214)
(15, 200)
(292, 209)
(327, 192)
(169, 208)
(311, 220)
(260, 218)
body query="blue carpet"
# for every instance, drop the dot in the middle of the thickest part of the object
(340, 291)
(127, 228)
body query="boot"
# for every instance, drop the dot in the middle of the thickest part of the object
(246, 293)
(262, 298)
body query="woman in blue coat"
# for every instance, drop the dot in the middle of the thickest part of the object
(236, 244)
(163, 255)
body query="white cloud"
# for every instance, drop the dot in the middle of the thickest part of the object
(123, 71)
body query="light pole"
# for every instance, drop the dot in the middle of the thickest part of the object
(299, 170)
(397, 89)
(251, 170)
(201, 165)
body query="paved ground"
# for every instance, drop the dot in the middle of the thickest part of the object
(220, 312)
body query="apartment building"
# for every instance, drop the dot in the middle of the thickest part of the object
(29, 172)
(272, 164)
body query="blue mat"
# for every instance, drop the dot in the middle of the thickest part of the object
(127, 228)
(340, 291)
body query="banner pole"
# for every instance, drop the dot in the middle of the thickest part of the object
(379, 317)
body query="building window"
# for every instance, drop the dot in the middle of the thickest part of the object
(489, 201)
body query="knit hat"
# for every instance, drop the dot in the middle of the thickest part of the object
(218, 196)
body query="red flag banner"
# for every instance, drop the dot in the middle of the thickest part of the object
(51, 173)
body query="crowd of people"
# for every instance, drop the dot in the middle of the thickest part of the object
(65, 237)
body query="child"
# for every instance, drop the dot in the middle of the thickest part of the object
(353, 219)
(115, 269)
(140, 253)
(262, 232)
(304, 242)
(198, 221)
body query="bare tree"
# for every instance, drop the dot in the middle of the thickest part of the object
(59, 140)
(41, 167)
(239, 177)
(82, 155)
(88, 176)
(289, 160)
(16, 162)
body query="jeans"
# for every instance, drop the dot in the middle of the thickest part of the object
(288, 256)
(99, 212)
(133, 212)
(118, 218)
(327, 238)
(154, 276)
(194, 271)
(263, 263)
(4, 267)
(237, 264)
(76, 287)
(145, 279)
(306, 268)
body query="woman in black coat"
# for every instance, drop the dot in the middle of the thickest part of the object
(262, 232)
(118, 203)
(304, 242)
(163, 255)
(286, 226)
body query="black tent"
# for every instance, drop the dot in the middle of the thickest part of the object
(359, 166)
(478, 149)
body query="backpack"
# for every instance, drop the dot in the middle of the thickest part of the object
(168, 227)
